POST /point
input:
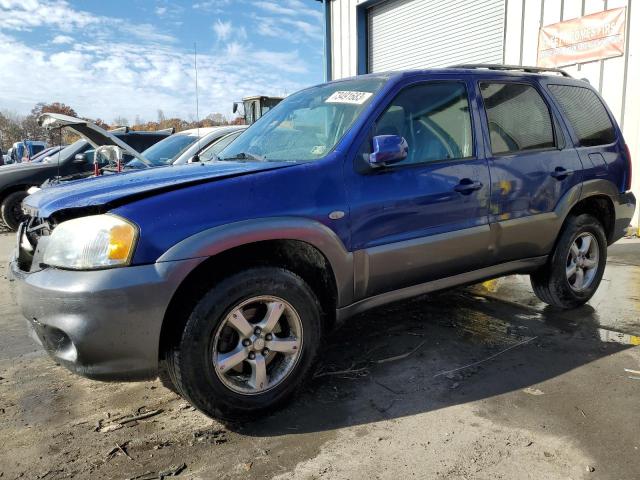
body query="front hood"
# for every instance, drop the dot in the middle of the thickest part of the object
(111, 190)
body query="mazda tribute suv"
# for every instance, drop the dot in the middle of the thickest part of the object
(223, 276)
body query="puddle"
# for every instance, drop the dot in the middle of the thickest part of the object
(618, 337)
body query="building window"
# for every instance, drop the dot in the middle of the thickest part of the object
(586, 113)
(518, 118)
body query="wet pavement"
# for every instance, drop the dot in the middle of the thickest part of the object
(476, 382)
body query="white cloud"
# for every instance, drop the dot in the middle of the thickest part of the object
(293, 8)
(62, 39)
(26, 15)
(223, 30)
(87, 64)
(105, 80)
(160, 11)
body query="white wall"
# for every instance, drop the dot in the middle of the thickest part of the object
(521, 47)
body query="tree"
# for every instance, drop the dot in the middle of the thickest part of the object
(120, 122)
(55, 107)
(33, 131)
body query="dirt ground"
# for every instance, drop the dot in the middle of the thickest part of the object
(482, 382)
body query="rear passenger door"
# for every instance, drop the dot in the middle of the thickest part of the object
(594, 132)
(425, 217)
(531, 166)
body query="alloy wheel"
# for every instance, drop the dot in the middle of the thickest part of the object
(257, 345)
(582, 262)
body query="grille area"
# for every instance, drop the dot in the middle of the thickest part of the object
(29, 234)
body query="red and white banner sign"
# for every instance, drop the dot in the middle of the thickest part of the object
(584, 39)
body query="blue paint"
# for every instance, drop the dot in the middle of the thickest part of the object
(383, 206)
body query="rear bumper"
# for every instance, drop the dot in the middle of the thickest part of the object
(625, 206)
(101, 324)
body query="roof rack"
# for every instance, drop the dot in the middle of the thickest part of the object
(521, 68)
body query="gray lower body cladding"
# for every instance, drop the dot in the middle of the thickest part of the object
(102, 324)
(625, 206)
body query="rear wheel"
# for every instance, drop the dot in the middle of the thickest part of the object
(248, 345)
(575, 269)
(11, 209)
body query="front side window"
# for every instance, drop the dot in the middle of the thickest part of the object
(586, 113)
(518, 118)
(434, 119)
(307, 125)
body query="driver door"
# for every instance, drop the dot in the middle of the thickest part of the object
(425, 217)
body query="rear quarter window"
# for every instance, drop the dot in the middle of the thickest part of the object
(586, 114)
(518, 118)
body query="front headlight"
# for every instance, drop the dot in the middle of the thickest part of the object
(85, 243)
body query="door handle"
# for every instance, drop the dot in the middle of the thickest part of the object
(466, 186)
(561, 173)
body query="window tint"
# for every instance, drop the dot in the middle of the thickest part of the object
(586, 113)
(434, 119)
(518, 117)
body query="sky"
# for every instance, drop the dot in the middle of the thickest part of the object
(131, 58)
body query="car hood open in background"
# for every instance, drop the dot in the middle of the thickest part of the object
(95, 135)
(110, 190)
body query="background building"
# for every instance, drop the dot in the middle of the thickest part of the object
(365, 36)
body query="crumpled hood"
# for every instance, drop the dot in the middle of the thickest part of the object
(110, 190)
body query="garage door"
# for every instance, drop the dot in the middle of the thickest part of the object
(405, 34)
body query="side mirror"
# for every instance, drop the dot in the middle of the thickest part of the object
(80, 158)
(387, 150)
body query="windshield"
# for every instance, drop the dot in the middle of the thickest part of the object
(307, 125)
(65, 152)
(169, 149)
(212, 152)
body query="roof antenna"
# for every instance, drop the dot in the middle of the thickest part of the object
(196, 157)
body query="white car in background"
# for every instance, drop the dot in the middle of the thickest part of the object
(182, 147)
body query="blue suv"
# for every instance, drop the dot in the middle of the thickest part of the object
(223, 276)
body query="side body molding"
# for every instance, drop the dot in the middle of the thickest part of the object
(224, 237)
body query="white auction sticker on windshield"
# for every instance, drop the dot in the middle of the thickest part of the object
(345, 96)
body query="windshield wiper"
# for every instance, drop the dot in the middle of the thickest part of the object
(245, 156)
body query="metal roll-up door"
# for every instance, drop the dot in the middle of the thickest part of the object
(406, 34)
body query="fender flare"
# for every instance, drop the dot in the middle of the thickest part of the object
(213, 241)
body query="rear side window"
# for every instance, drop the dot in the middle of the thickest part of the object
(518, 118)
(586, 113)
(434, 119)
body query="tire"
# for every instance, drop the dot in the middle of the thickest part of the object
(190, 361)
(554, 284)
(11, 209)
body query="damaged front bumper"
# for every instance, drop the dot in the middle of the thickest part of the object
(102, 324)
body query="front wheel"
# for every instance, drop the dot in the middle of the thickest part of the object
(575, 269)
(248, 345)
(11, 209)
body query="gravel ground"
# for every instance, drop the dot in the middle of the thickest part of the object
(482, 382)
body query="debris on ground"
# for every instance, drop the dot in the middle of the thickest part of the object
(170, 472)
(213, 436)
(400, 357)
(486, 359)
(119, 450)
(111, 424)
(533, 391)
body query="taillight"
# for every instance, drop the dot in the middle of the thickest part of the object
(627, 185)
